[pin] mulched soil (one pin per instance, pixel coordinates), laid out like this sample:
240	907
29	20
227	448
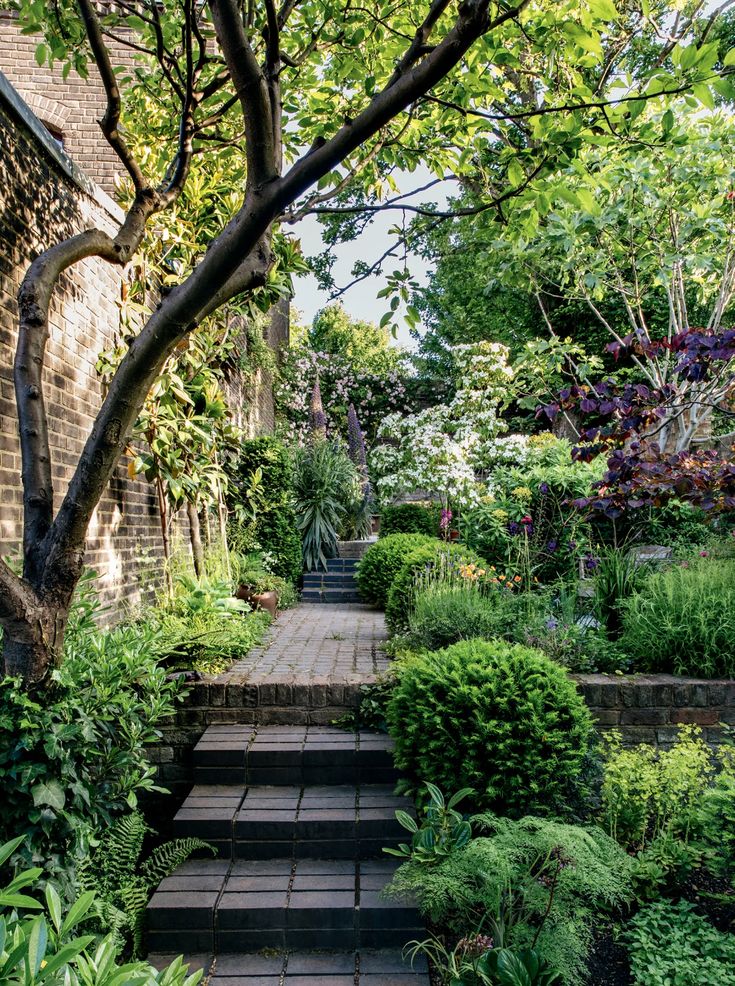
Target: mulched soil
608	965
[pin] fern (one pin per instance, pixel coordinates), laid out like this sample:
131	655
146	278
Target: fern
504	875
167	857
123	883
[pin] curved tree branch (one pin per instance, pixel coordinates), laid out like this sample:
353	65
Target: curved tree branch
110	122
252	90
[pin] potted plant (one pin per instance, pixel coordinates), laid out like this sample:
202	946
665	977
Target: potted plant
255	584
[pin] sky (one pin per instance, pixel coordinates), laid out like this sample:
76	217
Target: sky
361	301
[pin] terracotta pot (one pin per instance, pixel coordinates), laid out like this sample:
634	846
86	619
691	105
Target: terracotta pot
267	601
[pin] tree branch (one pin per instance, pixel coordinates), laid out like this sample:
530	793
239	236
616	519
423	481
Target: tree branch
110	122
252	90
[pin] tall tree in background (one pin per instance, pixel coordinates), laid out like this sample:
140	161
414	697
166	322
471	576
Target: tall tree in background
321	102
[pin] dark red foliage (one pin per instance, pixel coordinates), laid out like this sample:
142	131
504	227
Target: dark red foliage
625	420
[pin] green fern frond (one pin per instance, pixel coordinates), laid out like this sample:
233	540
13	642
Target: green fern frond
134	898
116	860
166	858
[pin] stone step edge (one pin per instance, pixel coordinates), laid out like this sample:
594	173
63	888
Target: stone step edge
379	963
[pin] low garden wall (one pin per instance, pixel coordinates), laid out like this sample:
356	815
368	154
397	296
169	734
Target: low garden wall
644	708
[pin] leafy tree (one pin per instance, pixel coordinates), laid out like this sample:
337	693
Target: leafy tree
653	229
317	101
364	344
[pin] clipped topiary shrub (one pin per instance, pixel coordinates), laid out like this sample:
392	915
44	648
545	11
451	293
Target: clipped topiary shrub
381	563
502	719
409	518
438	557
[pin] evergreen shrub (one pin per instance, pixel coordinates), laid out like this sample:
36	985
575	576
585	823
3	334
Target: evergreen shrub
502	719
381	563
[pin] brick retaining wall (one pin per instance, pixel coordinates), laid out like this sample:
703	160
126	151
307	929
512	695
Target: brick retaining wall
644	708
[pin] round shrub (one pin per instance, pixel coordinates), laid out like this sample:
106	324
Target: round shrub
502	719
409	518
382	561
438	555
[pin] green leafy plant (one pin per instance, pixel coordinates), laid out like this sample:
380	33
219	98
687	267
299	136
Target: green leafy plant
476	961
370	711
208	641
37	947
442	829
446	613
326	485
430	562
499	718
616	578
671	945
74	758
203	596
673	808
123	882
683	620
261	491
528	884
382	561
410	518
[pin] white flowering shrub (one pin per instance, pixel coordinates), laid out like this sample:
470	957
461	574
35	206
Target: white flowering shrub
444	448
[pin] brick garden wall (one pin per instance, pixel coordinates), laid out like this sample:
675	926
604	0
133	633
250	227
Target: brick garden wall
70	107
43	198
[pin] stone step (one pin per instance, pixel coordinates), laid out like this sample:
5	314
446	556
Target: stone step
330	596
342	564
368	967
294	756
334	822
344	580
247	906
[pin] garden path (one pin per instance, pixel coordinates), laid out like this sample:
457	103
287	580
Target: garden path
298	815
342	642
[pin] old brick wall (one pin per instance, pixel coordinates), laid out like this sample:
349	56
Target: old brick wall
69	107
44	198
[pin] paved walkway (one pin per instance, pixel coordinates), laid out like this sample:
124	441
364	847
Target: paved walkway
297	817
339	642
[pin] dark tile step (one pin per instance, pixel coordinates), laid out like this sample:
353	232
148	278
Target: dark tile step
306	905
330	596
292	756
369	967
261	822
340	579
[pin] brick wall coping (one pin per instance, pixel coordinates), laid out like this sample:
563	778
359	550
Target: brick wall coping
18	106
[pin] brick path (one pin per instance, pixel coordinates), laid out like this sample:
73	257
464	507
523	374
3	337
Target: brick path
339	643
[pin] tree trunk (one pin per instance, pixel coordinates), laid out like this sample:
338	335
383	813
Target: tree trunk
195	534
163	511
32	645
